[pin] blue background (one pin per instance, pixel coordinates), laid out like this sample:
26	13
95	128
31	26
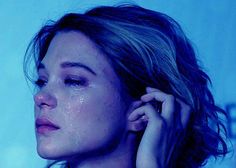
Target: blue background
209	24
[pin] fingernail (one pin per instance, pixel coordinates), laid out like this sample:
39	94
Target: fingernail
143	96
136	103
149	89
144	118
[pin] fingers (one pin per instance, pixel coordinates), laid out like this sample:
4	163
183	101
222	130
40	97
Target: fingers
145	112
167	101
138	125
146	118
164	126
185	112
138	121
173	110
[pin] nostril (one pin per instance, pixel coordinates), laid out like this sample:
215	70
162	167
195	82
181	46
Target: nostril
43	104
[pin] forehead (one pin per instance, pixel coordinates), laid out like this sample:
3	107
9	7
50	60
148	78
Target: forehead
76	47
72	46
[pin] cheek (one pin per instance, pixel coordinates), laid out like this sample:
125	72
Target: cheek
73	113
94	104
93	117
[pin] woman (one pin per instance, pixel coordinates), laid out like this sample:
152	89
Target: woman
121	87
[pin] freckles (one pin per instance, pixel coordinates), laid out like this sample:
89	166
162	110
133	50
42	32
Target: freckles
73	116
75	104
71	108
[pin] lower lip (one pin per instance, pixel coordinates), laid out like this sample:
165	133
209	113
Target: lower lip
46	129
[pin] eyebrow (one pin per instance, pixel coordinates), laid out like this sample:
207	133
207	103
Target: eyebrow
70	65
77	65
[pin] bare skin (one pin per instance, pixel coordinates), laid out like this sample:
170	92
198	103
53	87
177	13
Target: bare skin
161	133
93	113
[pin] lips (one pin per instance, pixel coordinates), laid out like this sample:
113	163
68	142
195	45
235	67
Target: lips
43	125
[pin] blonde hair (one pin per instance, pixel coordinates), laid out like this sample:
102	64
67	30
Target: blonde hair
148	48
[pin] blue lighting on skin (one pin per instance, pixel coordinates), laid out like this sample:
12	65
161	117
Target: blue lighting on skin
209	25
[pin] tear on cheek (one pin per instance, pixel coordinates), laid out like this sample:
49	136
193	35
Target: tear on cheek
81	100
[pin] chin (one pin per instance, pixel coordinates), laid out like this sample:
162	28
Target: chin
47	152
52	152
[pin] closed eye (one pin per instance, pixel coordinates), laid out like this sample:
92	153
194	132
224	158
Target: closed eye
74	82
40	83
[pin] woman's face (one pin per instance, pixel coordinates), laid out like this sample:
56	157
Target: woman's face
81	95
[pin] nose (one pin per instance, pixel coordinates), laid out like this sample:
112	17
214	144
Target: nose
45	100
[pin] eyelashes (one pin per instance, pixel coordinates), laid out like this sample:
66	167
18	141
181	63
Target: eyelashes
68	81
74	82
40	83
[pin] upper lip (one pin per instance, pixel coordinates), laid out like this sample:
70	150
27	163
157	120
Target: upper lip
45	122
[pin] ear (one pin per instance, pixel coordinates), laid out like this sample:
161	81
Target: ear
140	122
137	125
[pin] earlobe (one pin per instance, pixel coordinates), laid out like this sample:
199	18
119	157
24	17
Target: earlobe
137	125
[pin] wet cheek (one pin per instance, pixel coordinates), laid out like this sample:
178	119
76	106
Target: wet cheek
83	120
73	109
85	113
90	120
72	118
88	108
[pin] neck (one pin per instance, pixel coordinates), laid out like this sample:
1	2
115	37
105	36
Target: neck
124	155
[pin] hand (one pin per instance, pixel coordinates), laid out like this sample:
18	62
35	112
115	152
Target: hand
162	130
